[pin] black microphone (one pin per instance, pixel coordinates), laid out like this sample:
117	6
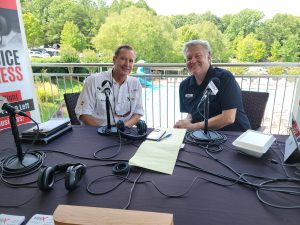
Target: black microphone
4	105
19	163
211	88
106	87
206	135
109	129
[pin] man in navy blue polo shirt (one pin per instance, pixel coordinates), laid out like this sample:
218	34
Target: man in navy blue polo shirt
226	109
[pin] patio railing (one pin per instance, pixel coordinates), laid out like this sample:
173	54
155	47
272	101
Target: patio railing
161	89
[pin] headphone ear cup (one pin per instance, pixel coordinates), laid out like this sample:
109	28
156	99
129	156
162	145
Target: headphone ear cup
73	175
46	178
121	125
142	127
121	168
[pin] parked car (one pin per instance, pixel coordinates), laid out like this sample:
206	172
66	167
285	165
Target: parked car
52	51
38	54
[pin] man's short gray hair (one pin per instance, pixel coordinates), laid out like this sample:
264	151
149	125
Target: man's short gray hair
191	43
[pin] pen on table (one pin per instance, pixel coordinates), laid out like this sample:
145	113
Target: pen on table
166	136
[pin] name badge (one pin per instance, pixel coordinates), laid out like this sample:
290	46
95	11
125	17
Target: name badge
188	95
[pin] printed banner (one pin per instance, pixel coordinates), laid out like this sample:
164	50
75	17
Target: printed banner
295	125
16	80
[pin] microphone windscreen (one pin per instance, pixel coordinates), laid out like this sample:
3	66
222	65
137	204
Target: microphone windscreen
3	100
106	83
216	81
106	86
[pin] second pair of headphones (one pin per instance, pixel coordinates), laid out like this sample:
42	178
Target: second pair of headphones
73	174
139	133
121	168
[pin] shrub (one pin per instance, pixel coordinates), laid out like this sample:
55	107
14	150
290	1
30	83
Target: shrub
237	70
276	70
47	91
89	56
294	71
69	54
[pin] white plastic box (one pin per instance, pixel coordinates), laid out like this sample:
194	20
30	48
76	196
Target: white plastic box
254	143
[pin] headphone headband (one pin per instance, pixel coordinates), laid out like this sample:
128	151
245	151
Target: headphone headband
129	133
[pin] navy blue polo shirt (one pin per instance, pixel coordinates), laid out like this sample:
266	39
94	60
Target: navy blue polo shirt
229	96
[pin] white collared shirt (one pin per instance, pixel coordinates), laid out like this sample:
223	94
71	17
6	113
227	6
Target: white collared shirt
122	98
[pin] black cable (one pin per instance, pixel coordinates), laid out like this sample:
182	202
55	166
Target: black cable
80	157
123	179
132	188
26	170
215	143
259	196
111	146
36	135
257	187
5	163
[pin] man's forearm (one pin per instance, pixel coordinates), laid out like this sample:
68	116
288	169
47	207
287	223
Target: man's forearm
227	117
88	120
133	120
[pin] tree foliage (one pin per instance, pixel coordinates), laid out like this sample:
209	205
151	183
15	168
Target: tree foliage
243	23
207	31
193	18
71	36
150	35
33	29
278	29
160	38
69	54
249	49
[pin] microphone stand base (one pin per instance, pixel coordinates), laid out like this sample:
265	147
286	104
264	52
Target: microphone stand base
105	131
29	162
200	135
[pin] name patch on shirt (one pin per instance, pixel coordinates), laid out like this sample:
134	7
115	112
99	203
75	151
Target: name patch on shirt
188	95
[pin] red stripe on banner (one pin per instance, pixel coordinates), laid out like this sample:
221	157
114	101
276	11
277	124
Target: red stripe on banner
8	4
5	123
13	96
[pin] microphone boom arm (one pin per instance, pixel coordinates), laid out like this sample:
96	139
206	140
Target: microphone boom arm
206	114
15	132
107	105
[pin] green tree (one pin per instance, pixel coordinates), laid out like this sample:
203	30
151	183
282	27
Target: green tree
278	29
119	5
226	20
151	36
208	31
98	14
71	36
193	18
243	23
250	49
290	50
61	11
275	51
33	30
39	8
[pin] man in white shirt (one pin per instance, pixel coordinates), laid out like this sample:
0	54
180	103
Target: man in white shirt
125	93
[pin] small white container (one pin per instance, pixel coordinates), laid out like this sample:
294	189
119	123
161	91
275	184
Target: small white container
254	143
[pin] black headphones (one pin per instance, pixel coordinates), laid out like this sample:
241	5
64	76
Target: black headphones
73	175
131	133
121	168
